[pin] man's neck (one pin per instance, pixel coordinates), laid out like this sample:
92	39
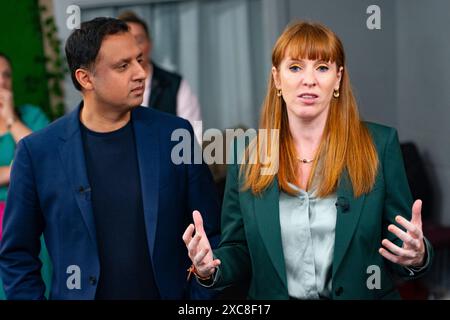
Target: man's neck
99	119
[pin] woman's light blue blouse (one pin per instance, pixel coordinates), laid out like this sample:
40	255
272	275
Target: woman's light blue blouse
307	229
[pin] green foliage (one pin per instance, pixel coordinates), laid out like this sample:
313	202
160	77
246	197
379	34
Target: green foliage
21	39
55	66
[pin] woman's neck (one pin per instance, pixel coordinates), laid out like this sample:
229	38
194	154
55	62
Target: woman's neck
307	135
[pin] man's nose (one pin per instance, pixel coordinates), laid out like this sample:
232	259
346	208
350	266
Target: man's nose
140	72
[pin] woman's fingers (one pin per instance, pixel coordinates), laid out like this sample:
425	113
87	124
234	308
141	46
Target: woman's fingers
198	222
215	263
392	257
193	245
409	254
413	229
416	213
199	258
199	249
187	235
209	268
405	237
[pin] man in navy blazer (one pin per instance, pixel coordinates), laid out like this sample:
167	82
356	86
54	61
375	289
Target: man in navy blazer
101	186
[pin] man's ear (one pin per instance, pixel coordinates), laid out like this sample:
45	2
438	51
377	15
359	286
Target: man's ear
276	77
84	78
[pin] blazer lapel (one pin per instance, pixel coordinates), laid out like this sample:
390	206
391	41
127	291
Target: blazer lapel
147	146
268	219
348	214
72	158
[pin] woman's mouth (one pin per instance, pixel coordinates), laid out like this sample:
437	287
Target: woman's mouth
308	98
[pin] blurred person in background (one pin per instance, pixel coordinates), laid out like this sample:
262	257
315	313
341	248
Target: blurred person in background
164	90
15	124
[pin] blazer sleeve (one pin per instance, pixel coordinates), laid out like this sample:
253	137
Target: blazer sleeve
23	225
398	200
233	251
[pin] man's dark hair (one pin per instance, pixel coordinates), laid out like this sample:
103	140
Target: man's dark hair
83	44
130	17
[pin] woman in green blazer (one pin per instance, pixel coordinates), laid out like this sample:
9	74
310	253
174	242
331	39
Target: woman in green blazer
330	215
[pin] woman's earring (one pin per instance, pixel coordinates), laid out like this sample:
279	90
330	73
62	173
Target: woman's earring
279	93
336	93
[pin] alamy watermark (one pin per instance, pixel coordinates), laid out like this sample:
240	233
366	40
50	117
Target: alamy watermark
374	279
252	147
74	19
74	279
373	22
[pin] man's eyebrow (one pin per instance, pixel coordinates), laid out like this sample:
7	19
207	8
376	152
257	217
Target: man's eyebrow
128	59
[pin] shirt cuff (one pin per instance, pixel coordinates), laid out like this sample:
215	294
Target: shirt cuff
210	282
415	270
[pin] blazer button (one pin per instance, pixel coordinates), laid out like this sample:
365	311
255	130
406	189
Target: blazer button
92	280
339	291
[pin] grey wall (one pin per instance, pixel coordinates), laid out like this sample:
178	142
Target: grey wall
423	67
400	73
370	53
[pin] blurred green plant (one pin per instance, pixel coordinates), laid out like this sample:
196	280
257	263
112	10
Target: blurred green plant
55	66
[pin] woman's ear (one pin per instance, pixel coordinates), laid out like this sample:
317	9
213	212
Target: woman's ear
339	77
276	77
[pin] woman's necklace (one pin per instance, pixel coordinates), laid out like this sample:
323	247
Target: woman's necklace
305	160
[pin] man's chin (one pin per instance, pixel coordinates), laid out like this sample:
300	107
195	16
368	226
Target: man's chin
136	103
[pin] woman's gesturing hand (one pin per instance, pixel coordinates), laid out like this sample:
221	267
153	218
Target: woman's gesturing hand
199	249
412	253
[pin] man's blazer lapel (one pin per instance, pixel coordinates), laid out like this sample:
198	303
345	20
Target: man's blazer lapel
147	145
73	161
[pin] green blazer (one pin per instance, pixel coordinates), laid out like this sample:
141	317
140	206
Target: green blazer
251	247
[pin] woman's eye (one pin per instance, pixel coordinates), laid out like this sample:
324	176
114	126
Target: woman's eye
323	68
295	68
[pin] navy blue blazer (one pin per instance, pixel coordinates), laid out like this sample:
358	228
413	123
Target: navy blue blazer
49	193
